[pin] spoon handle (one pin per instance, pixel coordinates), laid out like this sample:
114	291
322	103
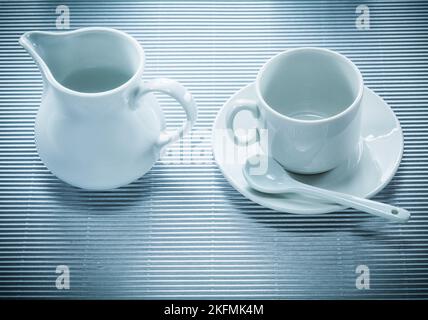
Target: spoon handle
383	210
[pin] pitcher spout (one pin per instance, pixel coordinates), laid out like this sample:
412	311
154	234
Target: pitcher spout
35	43
89	61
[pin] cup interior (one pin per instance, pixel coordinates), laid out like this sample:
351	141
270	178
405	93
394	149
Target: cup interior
309	83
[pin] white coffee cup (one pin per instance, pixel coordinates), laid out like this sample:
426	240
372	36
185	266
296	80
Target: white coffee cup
309	100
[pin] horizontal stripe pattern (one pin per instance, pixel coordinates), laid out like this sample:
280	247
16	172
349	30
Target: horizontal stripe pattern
182	231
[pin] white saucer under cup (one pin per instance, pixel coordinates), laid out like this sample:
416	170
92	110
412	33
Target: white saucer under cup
364	175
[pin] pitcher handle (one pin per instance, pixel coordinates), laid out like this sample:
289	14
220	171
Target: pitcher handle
179	93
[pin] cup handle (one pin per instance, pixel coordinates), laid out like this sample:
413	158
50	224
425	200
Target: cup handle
179	93
238	106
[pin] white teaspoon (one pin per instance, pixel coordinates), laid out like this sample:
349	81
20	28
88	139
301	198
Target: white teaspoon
275	180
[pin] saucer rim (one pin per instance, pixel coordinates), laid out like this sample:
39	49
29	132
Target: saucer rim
307	211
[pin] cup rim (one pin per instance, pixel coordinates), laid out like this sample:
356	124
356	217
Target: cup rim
52	80
348	109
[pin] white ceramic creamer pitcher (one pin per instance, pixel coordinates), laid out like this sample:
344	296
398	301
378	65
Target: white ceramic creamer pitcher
98	126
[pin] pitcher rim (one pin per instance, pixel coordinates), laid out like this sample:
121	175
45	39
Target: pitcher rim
24	41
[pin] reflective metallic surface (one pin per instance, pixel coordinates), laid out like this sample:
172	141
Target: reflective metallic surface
182	231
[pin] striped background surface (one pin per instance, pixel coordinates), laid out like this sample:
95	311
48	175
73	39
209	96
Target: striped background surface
182	231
